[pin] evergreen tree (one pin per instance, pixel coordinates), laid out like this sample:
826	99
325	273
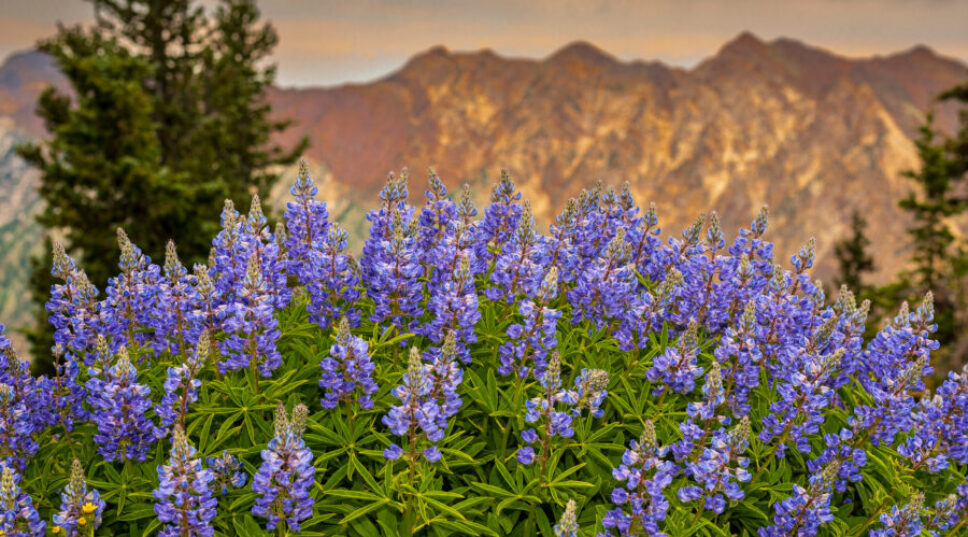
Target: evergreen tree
167	116
936	258
932	237
957	146
853	258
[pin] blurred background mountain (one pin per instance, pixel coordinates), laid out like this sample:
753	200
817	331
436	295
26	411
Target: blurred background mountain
815	135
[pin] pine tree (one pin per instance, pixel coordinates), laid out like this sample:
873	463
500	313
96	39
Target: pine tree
853	259
935	254
167	116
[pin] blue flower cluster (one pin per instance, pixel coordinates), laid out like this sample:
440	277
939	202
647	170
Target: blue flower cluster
182	384
184	500
726	349
390	264
24	406
645	474
120	403
529	341
228	472
419	414
315	250
589	394
348	371
18	516
286	475
80	509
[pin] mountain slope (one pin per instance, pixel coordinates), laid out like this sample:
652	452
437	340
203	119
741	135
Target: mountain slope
810	133
813	134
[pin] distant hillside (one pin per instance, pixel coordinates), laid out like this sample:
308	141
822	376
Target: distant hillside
813	134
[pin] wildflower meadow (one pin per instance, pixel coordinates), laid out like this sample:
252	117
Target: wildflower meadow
469	374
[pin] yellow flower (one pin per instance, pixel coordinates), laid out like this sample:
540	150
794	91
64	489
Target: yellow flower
81	521
89	508
55	530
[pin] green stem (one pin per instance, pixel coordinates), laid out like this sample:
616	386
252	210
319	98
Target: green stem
696	518
871	518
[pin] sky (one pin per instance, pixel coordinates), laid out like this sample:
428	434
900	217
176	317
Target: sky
326	42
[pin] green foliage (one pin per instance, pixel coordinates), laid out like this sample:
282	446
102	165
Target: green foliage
477	488
166	118
939	259
930	233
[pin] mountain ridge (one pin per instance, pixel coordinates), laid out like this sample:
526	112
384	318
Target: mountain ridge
811	133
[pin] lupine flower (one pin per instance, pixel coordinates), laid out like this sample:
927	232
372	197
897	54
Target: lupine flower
530	341
170	315
204	312
896	362
455	309
567	526
80	509
18	517
606	288
181	386
589	392
308	223
418	414
677	368
262	245
66	392
848	460
447	375
591	387
720	469
801	514
132	296
499	224
390	264
740	358
520	267
120	405
555	422
251	326
347	371
701	416
184	500
947	513
804	393
230	255
72	307
24	405
902	521
331	280
228	472
641	500
286	474
436	221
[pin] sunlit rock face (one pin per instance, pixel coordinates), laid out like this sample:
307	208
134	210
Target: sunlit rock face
812	134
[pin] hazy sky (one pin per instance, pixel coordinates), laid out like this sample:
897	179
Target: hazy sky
324	42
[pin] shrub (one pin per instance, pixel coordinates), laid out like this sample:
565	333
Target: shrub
476	377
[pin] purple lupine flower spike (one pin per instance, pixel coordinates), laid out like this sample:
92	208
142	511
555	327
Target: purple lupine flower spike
348	371
18	516
285	477
184	500
81	508
120	405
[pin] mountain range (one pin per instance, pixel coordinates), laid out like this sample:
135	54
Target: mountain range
813	134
